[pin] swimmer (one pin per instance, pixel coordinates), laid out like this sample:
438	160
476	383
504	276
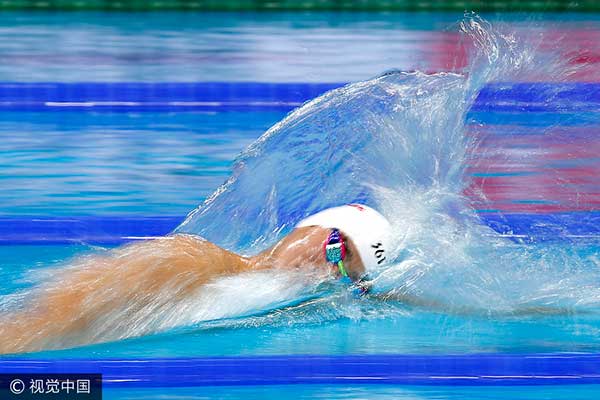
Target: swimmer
342	242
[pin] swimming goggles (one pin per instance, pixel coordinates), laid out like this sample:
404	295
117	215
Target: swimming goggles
335	253
335	250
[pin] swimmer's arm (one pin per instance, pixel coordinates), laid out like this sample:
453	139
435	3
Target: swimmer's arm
133	279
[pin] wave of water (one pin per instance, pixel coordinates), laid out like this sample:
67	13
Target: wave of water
400	132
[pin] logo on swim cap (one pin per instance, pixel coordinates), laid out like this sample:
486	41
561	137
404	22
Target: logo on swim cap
379	252
357	206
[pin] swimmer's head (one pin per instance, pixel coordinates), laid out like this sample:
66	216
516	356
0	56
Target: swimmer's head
368	231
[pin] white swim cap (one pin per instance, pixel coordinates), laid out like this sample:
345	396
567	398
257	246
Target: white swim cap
368	230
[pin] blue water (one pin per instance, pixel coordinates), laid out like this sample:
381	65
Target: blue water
123	164
272	47
99	163
267	47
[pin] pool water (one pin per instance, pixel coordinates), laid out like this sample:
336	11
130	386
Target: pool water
81	163
256	47
532	171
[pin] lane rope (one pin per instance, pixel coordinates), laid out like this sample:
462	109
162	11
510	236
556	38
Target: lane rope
463	370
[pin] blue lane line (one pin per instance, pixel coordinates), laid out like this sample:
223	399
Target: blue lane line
163	96
533	97
464	370
253	96
110	230
106	230
546	227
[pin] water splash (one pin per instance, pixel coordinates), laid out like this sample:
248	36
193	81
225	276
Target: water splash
399	143
400	131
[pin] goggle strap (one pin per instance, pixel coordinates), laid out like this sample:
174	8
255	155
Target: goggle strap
342	269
